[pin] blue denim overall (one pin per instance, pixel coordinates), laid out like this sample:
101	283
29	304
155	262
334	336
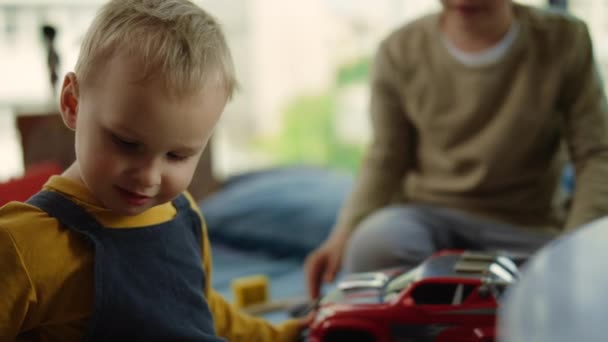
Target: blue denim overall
148	281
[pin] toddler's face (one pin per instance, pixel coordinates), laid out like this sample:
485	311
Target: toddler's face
136	146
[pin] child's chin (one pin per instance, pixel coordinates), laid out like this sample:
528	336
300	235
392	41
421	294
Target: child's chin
129	210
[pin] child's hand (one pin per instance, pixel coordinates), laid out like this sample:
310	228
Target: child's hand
306	321
303	324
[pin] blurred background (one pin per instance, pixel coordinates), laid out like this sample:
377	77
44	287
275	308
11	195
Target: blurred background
303	66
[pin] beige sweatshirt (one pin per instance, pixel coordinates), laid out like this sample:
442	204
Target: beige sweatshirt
487	139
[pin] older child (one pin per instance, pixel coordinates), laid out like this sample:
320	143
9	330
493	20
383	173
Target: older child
114	248
470	108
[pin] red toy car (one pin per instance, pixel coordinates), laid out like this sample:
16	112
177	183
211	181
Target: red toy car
451	297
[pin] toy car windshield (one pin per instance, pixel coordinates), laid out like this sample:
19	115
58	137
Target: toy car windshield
399	283
362	288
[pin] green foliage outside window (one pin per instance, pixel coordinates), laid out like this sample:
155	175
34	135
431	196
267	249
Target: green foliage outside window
354	72
309	134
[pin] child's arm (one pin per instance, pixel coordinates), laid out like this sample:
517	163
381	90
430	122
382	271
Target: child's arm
230	322
234	325
16	290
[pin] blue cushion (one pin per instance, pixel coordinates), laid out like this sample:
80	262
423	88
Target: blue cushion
283	211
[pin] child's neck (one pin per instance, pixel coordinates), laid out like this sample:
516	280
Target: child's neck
476	36
73	173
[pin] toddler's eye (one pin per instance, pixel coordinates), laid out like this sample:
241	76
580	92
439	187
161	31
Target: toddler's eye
176	157
124	143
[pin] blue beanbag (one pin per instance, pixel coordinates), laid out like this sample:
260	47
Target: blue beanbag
286	212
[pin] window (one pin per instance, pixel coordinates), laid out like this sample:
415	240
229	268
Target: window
304	88
462	293
442	293
10	23
434	294
398	284
595	14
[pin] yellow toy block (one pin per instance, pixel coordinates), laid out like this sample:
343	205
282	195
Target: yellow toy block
249	291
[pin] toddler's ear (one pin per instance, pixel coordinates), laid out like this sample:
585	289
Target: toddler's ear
69	100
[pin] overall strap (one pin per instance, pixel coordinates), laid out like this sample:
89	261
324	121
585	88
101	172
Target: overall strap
64	210
181	202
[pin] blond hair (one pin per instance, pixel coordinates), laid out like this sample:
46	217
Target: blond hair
174	39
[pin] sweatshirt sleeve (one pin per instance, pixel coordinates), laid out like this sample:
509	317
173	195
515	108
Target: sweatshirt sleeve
16	290
233	324
388	157
586	129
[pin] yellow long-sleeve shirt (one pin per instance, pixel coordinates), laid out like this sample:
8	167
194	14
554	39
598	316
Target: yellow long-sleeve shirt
487	139
46	274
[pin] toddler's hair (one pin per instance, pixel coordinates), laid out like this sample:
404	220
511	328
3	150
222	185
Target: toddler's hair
174	39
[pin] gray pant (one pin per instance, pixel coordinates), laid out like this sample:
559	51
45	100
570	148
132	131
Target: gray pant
405	235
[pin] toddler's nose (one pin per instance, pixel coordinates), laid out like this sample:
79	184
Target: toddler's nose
148	175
